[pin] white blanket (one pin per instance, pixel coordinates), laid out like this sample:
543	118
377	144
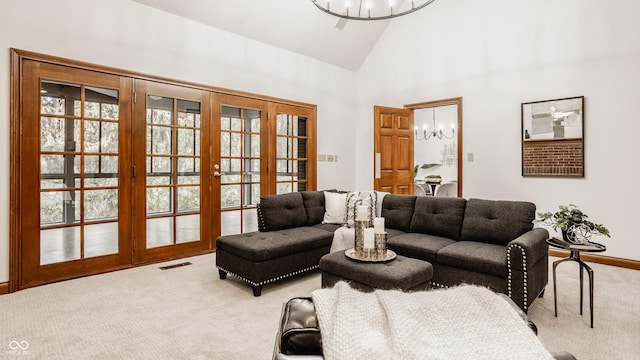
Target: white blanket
465	322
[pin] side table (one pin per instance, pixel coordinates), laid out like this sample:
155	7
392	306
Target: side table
575	250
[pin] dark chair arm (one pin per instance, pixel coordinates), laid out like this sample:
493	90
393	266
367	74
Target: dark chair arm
298	334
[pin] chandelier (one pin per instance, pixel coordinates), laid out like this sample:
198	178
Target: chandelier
370	9
435	132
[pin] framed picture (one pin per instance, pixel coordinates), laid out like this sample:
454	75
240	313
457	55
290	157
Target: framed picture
553	137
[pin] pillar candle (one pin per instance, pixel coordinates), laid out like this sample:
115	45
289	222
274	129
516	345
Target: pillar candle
362	213
378	225
369	238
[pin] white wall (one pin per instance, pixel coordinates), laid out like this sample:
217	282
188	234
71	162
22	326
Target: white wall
128	35
497	54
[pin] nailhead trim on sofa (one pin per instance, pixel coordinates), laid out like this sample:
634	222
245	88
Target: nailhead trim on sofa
262	226
269	280
524	268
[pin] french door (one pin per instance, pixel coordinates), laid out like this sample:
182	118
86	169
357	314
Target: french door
292	129
239	162
75	184
265	148
109	170
172	191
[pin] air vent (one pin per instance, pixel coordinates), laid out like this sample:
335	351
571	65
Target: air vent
174	266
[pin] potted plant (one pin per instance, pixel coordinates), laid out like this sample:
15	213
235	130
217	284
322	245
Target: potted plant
433	179
423	166
573	224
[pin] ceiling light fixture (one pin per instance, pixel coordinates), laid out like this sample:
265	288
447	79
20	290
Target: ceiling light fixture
370	9
435	133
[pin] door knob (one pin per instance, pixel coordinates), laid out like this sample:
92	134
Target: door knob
217	174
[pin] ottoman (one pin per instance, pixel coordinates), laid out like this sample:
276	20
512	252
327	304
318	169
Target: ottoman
401	273
260	258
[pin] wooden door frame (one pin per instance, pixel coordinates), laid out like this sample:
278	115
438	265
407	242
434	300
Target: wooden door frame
445	102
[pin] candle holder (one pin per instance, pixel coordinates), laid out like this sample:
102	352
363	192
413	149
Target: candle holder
358	245
380	245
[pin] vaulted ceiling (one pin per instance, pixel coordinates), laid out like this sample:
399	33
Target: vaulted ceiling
294	25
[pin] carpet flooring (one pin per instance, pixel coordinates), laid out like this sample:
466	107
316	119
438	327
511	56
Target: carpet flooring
189	313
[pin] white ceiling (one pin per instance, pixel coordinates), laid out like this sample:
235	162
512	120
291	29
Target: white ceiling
295	25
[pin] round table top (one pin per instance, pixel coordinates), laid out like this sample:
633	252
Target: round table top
587	247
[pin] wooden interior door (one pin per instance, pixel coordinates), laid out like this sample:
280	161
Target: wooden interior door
73	173
393	150
172	173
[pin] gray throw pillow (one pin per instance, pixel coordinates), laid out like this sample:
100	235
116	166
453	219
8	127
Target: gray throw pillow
283	211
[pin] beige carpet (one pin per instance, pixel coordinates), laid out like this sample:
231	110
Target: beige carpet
189	313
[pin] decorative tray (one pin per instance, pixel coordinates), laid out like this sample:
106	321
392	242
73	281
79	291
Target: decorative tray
351	254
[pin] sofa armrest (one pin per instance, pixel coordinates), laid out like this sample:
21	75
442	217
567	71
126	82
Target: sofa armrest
528	249
527	266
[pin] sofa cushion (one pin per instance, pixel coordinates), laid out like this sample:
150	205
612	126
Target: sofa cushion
475	256
496	221
262	246
393	232
440	216
397	211
313	202
418	246
327	227
283	211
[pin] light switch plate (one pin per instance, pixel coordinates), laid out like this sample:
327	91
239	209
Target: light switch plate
470	157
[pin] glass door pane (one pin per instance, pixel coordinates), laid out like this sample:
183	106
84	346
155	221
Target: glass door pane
79	140
240	164
291	153
173	171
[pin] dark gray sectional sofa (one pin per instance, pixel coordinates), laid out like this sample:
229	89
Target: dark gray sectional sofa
484	242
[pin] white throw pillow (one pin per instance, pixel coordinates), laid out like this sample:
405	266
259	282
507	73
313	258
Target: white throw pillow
376	197
335	208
